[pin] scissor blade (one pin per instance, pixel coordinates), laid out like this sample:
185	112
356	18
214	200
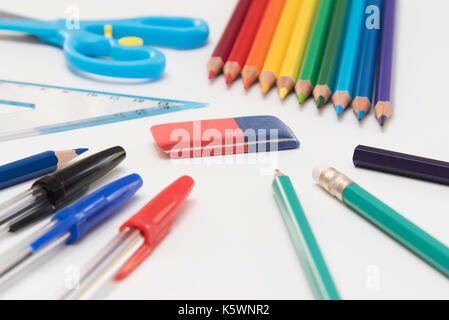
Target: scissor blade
34	27
7	15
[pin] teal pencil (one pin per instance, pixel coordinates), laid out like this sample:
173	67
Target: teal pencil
385	218
303	239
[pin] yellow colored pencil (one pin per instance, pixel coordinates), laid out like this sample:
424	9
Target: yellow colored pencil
297	47
279	45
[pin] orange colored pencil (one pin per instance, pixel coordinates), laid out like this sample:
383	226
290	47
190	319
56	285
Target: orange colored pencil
262	42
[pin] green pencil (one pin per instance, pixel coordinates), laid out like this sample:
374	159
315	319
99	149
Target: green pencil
382	216
302	237
331	57
312	62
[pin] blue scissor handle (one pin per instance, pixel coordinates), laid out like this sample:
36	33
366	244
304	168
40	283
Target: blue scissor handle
99	55
171	32
85	46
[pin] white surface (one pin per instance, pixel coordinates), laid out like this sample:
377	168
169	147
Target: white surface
230	241
317	171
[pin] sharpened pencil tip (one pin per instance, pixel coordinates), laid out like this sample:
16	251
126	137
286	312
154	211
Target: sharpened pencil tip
211	74
320	102
265	87
361	115
301	98
278	173
80	150
383	120
340	110
228	78
283	93
246	83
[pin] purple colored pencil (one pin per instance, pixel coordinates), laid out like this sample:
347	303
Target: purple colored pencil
383	106
401	164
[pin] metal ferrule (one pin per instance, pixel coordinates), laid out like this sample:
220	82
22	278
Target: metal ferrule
334	182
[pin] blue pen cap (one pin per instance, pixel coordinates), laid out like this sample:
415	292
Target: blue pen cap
85	214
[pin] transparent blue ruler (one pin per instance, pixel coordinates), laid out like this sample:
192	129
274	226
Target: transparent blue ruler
28	109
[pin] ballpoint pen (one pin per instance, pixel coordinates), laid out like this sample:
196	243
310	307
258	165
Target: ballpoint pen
301	234
385	218
136	240
53	192
35	166
69	225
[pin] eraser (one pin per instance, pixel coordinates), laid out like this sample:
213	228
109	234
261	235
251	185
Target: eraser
216	137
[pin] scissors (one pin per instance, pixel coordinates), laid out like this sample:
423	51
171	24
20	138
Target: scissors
115	48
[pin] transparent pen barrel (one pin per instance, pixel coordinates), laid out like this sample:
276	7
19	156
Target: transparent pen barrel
106	264
21	205
19	258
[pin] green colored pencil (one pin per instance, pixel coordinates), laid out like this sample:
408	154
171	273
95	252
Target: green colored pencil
331	57
302	237
312	62
385	218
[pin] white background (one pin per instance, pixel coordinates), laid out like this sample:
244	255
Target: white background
230	241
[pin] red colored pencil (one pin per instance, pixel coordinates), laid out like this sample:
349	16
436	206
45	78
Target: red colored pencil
245	39
224	46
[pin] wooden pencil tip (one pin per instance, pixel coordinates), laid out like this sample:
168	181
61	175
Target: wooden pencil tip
80	150
320	102
283	93
246	83
265	86
339	110
278	173
383	120
301	98
211	74
361	115
228	78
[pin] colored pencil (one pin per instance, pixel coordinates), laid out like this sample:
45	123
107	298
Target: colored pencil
297	48
35	166
303	239
350	57
242	45
312	61
385	218
224	46
363	91
383	107
332	53
401	164
279	45
261	45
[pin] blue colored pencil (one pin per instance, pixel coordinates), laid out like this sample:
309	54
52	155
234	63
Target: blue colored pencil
365	79
35	166
350	57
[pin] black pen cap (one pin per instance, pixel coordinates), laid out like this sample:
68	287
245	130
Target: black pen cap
47	209
73	180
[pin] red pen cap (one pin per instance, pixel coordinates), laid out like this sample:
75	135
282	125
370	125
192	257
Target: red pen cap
155	219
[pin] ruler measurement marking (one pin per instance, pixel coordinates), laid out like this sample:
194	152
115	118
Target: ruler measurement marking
44	91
